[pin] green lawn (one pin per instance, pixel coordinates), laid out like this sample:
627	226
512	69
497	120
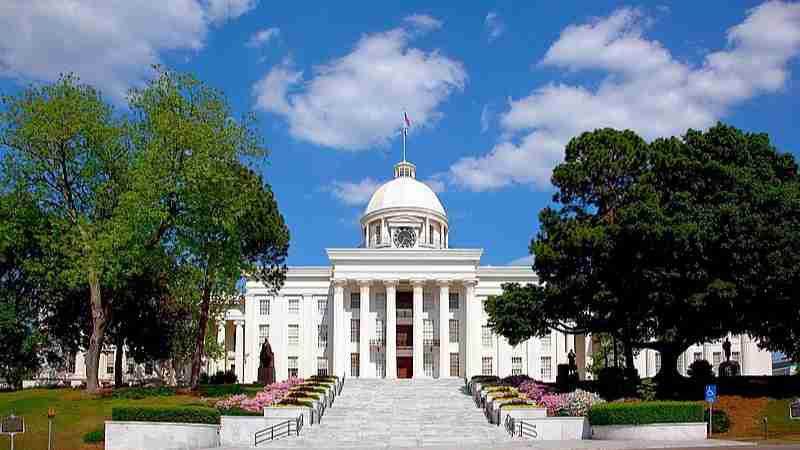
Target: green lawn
76	414
780	425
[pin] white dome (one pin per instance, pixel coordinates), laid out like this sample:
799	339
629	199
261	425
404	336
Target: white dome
404	192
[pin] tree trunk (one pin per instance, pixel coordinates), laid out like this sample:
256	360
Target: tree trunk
668	378
197	359
100	319
118	362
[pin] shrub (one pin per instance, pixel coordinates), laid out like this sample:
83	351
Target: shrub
295	402
236	411
647	390
722	422
203	379
640	413
96	436
700	370
483	378
515	380
140	393
220	390
228	377
572	404
533	390
614	382
177	414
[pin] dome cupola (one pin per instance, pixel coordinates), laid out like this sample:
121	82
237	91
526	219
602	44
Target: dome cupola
404	213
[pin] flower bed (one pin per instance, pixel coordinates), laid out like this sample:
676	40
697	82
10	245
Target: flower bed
272	394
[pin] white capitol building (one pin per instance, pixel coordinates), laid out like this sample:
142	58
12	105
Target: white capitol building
404	304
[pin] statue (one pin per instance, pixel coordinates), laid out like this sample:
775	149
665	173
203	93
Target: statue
571	358
728	368
266	366
726	347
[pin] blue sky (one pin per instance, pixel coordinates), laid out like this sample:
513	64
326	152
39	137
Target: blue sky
495	89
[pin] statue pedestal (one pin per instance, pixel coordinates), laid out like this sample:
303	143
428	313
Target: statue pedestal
266	375
729	369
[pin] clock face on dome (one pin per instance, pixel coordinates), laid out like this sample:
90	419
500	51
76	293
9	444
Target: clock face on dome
405	237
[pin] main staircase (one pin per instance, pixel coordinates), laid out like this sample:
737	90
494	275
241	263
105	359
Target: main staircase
400	413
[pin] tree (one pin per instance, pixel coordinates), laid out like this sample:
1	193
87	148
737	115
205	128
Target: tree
223	221
68	150
664	244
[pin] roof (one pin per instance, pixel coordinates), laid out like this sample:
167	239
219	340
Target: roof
404	192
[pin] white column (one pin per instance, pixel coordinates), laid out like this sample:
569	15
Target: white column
444	328
240	350
417	331
363	321
220	363
308	358
580	355
391	329
339	346
472	330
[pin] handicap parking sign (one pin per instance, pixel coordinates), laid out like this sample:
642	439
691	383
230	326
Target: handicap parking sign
711	393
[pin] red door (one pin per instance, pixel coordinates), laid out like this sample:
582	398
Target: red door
405	366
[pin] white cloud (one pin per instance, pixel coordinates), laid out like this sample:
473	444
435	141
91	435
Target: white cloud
523	261
435	183
354	194
423	22
222	10
111	44
263	36
645	89
494	26
486	117
356	102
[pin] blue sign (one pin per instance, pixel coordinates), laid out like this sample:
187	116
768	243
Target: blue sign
711	393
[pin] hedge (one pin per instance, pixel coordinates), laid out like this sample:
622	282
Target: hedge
722	423
640	413
220	390
138	393
236	411
177	414
98	435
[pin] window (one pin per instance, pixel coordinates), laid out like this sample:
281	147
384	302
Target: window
294	306
129	369
380	301
427	364
697	356
109	363
546	340
322	366
427	301
148	368
430	234
380	331
322	335
71	363
486	336
263	306
380	367
486	365
716	359
294	334
355	330
658	362
427	329
293	372
322	305
454	301
735	356
454	330
455	368
354	365
681	369
516	365
547	369
355	300
263	335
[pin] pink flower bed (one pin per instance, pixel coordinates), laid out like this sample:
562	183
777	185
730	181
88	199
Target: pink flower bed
270	395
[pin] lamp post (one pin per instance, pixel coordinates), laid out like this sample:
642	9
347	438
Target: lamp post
51	414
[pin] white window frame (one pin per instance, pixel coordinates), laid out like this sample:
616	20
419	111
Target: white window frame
293	340
454	331
546	367
294	305
263	333
263	306
486	336
294	367
516	365
486	365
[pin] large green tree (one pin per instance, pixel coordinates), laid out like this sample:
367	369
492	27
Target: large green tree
223	220
662	244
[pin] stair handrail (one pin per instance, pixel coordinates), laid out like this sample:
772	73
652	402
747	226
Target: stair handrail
279	430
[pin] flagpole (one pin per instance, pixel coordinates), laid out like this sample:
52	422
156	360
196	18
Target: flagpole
405	131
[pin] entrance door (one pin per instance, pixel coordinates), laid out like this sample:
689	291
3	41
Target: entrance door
405	366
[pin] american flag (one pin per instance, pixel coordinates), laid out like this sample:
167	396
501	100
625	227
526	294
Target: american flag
406	120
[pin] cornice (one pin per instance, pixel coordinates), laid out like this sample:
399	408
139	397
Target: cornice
398	254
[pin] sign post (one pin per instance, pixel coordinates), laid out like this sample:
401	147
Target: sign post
711	397
12	425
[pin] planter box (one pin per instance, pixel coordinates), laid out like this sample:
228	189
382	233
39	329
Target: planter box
692	431
275	414
558	428
161	435
240	430
523	413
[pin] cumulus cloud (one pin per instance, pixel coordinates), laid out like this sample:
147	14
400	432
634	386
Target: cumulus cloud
263	36
494	26
354	194
436	183
356	101
423	22
523	261
645	89
111	44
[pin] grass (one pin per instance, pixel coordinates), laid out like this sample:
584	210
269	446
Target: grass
77	413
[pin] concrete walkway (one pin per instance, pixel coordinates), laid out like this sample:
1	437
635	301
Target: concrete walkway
436	414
